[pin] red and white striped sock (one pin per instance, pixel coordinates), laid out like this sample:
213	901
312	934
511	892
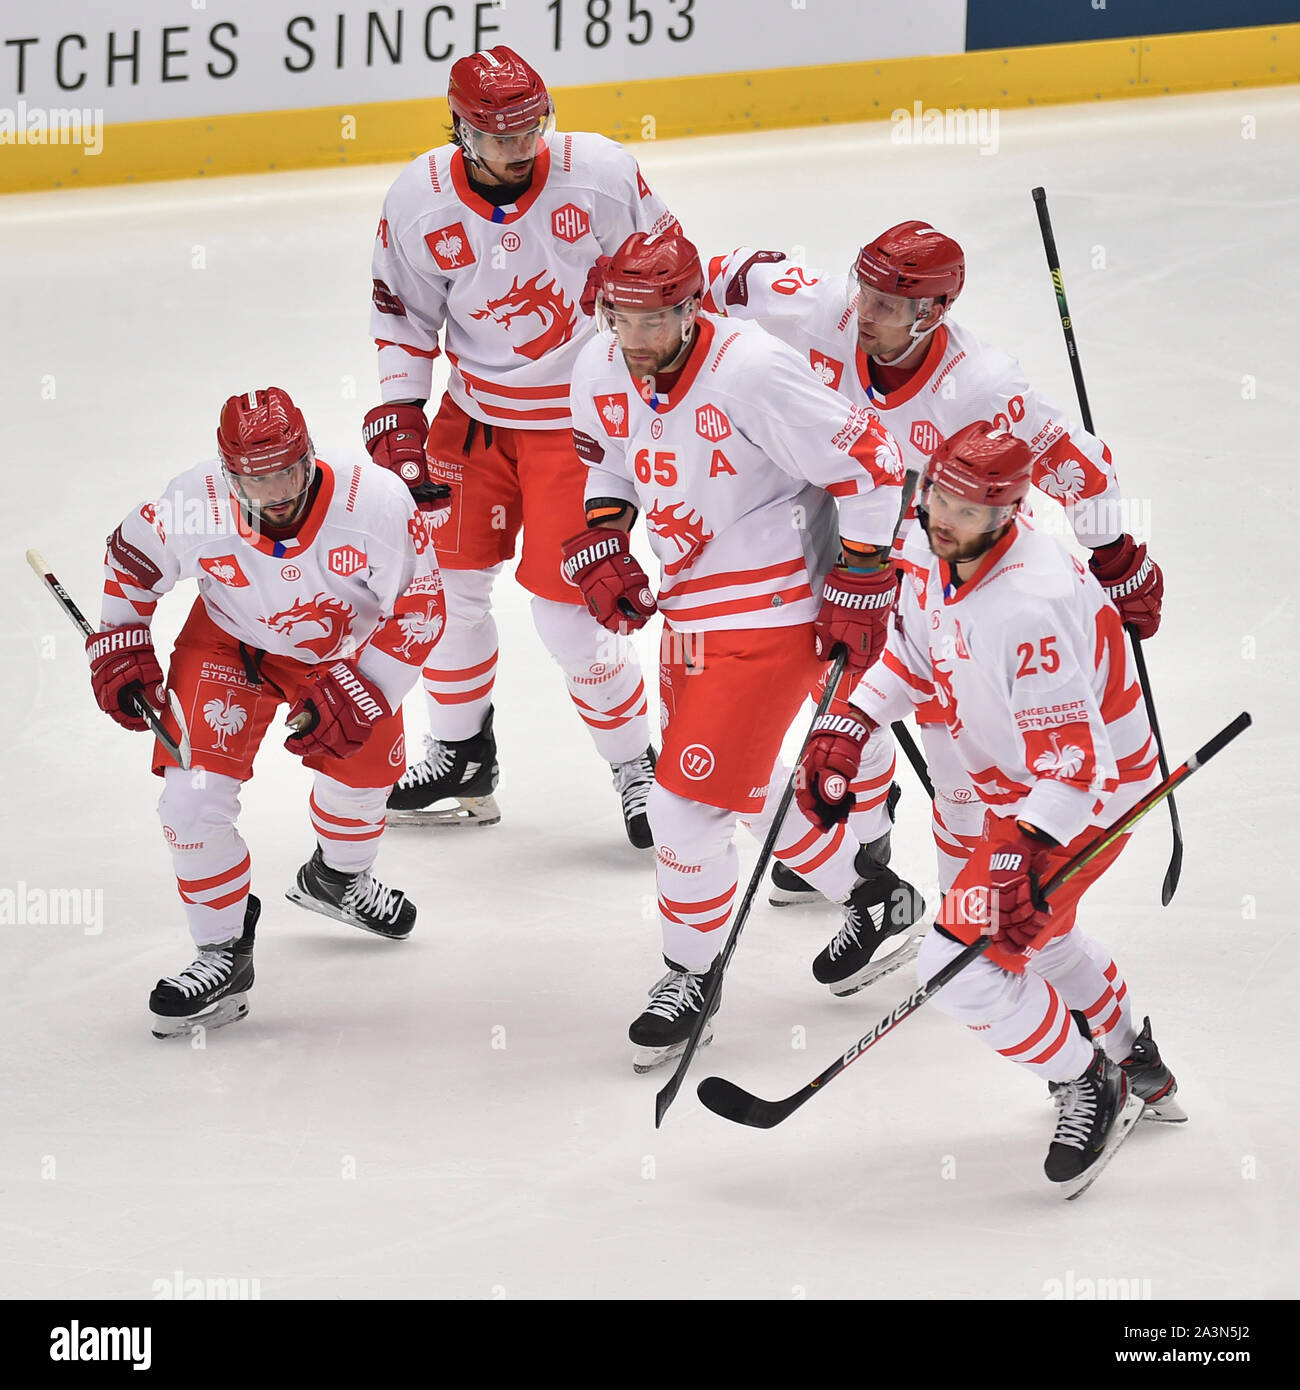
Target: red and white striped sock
696	873
869	819
823	858
209	857
348	822
602	675
1085	976
1022	1017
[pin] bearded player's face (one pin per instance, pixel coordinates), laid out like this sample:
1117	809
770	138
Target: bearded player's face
650	339
959	530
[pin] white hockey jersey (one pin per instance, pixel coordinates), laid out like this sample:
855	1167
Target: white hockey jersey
735	470
960	380
1033	676
504	282
360	575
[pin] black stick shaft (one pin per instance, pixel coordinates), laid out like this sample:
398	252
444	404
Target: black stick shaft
1058	284
667	1095
732	1102
1175	869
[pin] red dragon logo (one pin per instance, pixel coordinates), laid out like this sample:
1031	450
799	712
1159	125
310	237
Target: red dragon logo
558	315
330	613
947	696
687	533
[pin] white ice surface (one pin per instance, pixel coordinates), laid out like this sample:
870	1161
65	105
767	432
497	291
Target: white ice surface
533	1168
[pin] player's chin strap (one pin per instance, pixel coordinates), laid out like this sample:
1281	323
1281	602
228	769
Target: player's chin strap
915	336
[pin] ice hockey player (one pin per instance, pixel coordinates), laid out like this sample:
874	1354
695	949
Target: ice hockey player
883	334
737	456
318	588
1038	692
492	239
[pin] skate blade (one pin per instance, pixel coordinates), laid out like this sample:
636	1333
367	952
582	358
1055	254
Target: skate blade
228	1010
878	968
650	1058
790	897
296	895
1124	1126
1165	1111
472	810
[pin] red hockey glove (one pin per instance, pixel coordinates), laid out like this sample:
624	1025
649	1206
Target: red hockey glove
830	763
1017	861
122	666
394	436
342	708
615	587
855	611
587	303
1132	581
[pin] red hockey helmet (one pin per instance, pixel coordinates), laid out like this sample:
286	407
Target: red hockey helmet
261	432
912	260
982	464
652	271
267	454
497	93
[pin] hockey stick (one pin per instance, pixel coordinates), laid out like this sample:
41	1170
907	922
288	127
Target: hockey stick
180	751
669	1093
730	1101
913	755
1172	874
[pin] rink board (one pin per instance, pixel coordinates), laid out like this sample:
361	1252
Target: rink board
640	111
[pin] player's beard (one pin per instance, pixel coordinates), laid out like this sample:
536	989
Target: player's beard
964	554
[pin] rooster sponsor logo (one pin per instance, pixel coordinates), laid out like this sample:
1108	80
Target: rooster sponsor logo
224	717
827	370
450	247
613	414
225	569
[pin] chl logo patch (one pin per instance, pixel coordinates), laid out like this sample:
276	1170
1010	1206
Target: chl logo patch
613	414
926	437
712	424
570	223
345	560
225	568
450	247
696	762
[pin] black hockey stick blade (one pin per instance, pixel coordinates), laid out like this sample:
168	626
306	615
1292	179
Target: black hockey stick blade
733	1103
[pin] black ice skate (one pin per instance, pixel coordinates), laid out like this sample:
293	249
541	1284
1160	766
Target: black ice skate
359	899
632	781
462	772
213	989
1096	1112
882	908
789	890
1152	1080
661	1033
